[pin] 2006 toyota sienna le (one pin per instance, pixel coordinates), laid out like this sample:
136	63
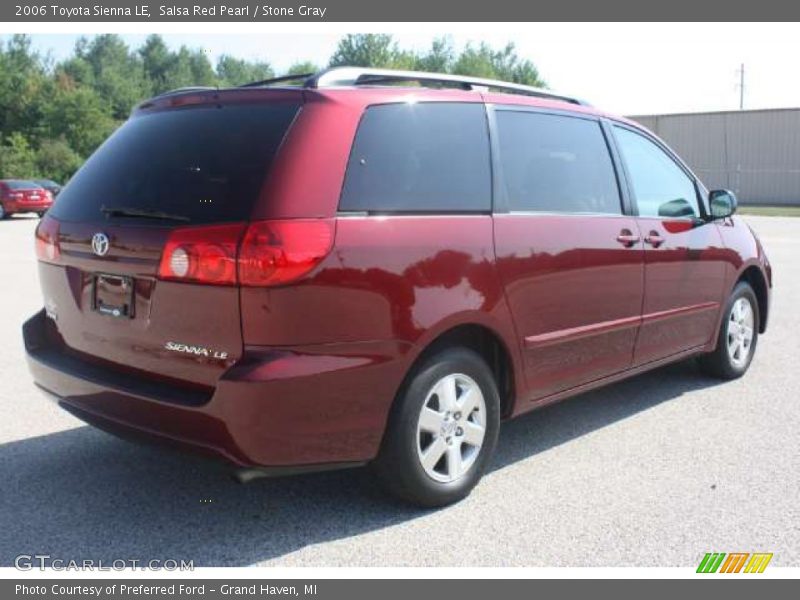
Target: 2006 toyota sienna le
378	267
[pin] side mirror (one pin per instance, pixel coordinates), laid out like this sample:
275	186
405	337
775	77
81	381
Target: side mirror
723	204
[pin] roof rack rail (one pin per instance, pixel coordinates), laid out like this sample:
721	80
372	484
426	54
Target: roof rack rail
188	88
283	78
353	76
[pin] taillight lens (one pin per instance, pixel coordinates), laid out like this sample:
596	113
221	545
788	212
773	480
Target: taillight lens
270	253
278	252
47	245
202	254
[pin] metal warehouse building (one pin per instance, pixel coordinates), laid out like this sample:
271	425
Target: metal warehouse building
755	153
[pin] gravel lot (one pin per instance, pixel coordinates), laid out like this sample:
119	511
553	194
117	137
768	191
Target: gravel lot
654	471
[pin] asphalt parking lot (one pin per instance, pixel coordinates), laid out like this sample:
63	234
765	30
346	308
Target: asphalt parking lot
654	471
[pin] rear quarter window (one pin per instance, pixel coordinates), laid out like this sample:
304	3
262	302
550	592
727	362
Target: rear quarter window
419	158
206	163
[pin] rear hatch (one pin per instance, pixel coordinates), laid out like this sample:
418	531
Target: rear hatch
185	165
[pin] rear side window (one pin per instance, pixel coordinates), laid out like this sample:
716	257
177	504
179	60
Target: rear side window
556	163
205	163
427	157
661	187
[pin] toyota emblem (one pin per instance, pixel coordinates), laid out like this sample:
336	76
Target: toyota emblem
100	244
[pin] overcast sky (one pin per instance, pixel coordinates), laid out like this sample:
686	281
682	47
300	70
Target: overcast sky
623	68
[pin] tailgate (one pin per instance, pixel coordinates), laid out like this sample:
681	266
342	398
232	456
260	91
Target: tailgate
113	308
194	162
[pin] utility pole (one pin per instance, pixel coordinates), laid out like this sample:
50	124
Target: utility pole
741	87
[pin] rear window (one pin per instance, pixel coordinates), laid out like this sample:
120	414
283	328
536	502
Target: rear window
205	163
427	157
22	185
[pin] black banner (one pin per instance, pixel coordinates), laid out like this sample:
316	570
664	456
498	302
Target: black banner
39	11
385	589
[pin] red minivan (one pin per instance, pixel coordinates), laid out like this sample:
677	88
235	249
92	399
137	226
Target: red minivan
377	267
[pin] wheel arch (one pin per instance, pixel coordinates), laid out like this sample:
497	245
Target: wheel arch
485	341
753	275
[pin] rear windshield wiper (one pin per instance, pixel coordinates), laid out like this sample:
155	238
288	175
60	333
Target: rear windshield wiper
142	213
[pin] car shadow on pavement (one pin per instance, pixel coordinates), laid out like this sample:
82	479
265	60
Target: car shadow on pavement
25	217
82	494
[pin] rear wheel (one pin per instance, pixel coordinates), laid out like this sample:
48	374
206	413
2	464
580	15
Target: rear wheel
442	431
3	213
738	335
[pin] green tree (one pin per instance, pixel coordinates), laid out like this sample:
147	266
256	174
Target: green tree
156	62
56	159
81	117
303	67
17	157
117	74
439	59
23	87
483	61
364	50
233	71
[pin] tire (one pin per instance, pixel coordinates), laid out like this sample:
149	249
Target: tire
3	213
40	214
739	329
409	438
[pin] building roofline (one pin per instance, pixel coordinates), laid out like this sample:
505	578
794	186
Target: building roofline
714	112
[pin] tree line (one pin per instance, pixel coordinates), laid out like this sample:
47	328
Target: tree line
54	114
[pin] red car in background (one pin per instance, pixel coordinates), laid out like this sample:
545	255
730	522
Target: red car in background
21	196
350	271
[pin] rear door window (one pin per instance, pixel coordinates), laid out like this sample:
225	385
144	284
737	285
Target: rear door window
419	157
554	163
205	163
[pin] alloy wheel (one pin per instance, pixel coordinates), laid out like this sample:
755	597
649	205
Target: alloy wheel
741	322
451	428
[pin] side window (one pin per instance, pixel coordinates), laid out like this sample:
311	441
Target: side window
555	163
426	157
661	187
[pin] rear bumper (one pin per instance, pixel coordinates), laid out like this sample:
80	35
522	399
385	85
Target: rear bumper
275	408
14	206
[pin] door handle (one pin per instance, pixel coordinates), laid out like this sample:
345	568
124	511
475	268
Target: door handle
626	238
654	239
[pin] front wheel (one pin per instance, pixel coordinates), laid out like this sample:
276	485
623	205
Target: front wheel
738	335
442	431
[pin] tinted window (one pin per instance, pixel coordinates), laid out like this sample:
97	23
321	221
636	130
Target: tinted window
556	164
661	187
206	163
419	158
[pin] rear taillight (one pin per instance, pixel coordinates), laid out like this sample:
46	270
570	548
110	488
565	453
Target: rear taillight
202	254
278	252
47	246
263	253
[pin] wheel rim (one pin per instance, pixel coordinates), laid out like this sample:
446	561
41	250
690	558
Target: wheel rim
741	321
451	428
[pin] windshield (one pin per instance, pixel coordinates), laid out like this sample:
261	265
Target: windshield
203	163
